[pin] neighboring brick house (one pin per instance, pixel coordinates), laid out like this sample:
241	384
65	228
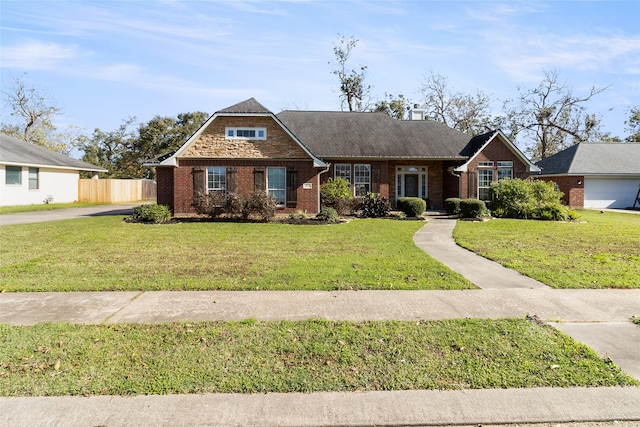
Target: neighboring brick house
596	175
247	148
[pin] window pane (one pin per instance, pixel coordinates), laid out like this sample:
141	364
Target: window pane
33	178
505	173
13	175
277	184
343	171
362	179
216	178
485	177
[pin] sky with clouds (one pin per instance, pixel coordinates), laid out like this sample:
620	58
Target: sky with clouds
104	61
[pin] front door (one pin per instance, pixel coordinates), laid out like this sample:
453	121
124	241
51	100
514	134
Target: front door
411	185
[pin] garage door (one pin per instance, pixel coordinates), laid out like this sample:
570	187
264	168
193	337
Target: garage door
610	192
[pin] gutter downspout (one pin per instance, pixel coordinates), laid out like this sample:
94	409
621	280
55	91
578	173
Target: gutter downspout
451	170
320	173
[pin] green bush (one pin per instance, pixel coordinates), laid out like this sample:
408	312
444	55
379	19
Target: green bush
374	206
452	205
527	199
327	214
336	193
473	208
156	214
412	206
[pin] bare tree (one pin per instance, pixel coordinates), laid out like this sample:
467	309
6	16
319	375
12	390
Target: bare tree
353	91
467	112
551	118
33	114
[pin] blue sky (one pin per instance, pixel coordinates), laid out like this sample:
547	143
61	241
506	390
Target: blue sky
103	61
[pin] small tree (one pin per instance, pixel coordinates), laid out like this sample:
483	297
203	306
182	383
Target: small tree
336	194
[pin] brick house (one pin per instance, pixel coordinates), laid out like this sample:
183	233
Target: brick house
596	175
246	148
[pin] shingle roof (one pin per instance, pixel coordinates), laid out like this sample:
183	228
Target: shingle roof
336	134
16	152
594	159
250	106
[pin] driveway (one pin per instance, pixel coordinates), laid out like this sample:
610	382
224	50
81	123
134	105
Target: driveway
71	213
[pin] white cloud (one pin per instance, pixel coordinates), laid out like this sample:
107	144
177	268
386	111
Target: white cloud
37	55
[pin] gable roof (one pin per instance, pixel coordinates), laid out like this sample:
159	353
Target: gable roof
249	107
478	144
594	159
337	134
16	152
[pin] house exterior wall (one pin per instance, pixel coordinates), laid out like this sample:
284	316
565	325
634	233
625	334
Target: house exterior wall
60	184
571	186
307	195
495	151
213	144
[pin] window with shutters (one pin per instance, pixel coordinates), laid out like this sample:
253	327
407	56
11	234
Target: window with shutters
216	178
277	184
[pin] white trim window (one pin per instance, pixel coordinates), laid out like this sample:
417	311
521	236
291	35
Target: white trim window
216	178
277	184
13	175
34	178
342	170
362	180
246	133
505	170
485	178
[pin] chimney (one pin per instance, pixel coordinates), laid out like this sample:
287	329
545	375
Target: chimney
417	113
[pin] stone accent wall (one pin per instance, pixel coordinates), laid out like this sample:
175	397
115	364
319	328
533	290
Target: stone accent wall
213	144
572	187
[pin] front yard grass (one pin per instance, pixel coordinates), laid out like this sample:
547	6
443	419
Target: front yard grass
601	250
106	253
306	356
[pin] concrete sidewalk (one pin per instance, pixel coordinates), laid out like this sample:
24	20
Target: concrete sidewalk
599	318
70	213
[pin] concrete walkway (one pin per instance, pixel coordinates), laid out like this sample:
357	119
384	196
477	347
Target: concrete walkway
70	213
599	318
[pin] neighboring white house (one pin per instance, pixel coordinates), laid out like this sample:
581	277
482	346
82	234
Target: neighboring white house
30	174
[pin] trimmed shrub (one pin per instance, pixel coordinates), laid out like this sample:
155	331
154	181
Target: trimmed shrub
374	206
473	208
211	204
535	199
412	206
336	193
156	214
452	205
263	205
327	214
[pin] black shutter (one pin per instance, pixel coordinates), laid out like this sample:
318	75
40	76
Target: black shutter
292	188
375	179
232	180
258	180
199	182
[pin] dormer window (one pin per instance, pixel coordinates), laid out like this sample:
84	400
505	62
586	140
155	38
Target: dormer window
246	133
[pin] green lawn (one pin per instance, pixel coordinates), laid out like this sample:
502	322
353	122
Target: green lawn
307	356
106	253
45	207
597	251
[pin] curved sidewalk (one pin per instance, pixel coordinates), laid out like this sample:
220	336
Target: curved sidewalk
599	318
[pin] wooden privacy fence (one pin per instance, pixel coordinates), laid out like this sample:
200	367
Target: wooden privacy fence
116	190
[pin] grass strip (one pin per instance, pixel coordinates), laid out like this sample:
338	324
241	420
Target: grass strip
106	253
45	207
602	250
305	356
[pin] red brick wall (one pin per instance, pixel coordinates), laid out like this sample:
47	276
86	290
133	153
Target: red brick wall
572	187
164	180
306	173
496	151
